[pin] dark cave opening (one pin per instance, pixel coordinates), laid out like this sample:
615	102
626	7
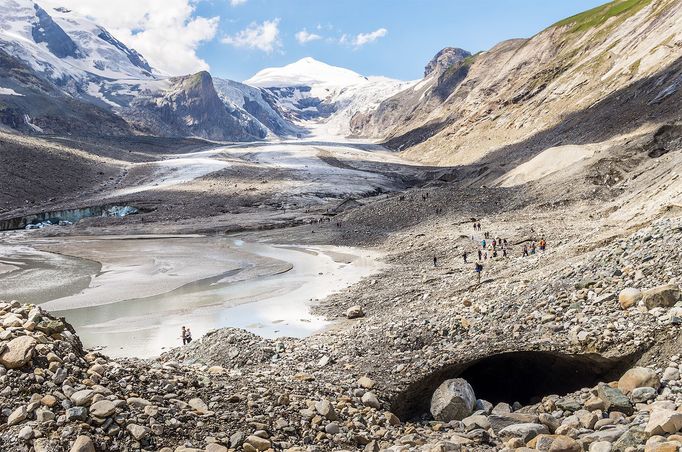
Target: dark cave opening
524	377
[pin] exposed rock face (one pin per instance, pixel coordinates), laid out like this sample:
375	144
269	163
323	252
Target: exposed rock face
444	59
527	95
453	400
191	107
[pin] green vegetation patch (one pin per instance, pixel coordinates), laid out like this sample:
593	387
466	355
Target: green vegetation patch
597	16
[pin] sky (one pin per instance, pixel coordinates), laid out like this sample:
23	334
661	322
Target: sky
396	38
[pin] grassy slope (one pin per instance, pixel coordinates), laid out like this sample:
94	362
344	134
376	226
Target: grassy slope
599	15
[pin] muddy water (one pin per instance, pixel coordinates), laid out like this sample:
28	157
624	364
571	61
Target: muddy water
132	295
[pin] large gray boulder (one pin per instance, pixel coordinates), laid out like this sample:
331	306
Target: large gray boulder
661	296
453	400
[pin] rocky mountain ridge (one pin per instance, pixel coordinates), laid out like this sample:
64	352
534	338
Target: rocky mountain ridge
522	96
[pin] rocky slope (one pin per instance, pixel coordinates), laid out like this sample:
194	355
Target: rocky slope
588	78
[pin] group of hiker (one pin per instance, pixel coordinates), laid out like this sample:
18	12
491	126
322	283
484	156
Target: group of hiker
186	336
493	248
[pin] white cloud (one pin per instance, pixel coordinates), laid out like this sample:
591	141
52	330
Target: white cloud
365	38
166	32
263	37
237	2
304	36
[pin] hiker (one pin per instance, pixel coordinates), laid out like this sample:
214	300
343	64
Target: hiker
478	269
184	336
188	336
435	261
483	243
464	255
504	252
474	226
543	244
532	248
480	254
525	250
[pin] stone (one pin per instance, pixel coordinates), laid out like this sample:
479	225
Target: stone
137	431
78	413
524	431
370	399
237	439
476	421
326	409
661	297
641	395
632	438
18	352
614	399
629	297
453	400
18	416
594	403
663	421
670	374
499	422
601	446
83	444
82	398
215	447
44	415
257	442
366	382
136	402
355	312
332	428
26	433
609	434
102	409
49	400
198	405
638	377
565	444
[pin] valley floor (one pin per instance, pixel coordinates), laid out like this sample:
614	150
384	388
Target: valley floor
366	382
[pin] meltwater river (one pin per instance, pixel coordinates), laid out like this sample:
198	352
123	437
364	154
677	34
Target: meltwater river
130	295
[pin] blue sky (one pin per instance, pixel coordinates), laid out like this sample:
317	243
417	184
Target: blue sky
373	37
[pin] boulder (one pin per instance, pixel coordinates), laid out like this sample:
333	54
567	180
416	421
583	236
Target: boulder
629	297
258	443
661	296
102	409
601	446
524	431
453	400
83	444
18	416
137	431
18	352
614	399
370	400
664	421
83	397
638	377
326	409
564	443
500	421
355	312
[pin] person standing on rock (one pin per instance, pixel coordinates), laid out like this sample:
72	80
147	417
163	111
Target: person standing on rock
480	255
525	250
464	255
543	244
184	336
188	335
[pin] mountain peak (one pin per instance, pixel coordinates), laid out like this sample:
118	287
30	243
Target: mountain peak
305	72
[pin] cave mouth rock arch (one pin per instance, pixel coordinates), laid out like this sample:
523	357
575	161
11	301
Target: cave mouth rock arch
525	377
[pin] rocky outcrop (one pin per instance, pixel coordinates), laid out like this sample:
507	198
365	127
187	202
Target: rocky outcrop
444	59
191	107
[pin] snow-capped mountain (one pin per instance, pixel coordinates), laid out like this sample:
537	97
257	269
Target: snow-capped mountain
323	97
64	45
77	66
